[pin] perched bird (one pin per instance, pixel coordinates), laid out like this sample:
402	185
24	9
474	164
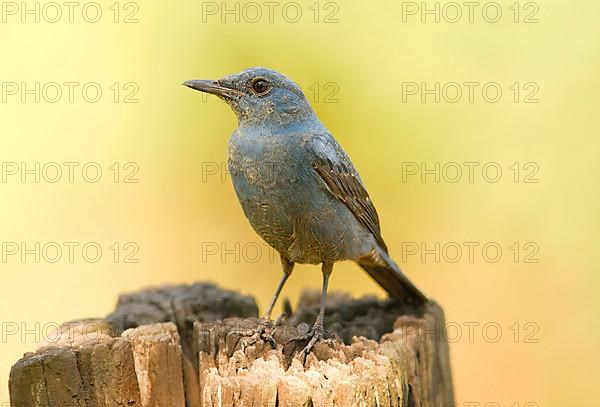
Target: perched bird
299	189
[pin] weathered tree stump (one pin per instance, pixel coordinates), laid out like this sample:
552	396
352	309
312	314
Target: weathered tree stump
183	346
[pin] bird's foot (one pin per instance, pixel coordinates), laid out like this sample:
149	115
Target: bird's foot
262	331
316	334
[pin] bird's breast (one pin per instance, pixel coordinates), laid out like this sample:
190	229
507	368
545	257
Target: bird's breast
287	203
264	177
268	164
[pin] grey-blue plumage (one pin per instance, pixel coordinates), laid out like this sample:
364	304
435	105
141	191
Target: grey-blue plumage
287	202
297	186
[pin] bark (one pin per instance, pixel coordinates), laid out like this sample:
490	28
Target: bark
189	346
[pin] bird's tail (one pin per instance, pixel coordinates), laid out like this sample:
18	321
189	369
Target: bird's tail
388	275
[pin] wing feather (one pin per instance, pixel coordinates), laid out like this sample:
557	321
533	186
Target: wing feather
335	168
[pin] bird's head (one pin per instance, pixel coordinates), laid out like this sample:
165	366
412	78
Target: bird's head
259	96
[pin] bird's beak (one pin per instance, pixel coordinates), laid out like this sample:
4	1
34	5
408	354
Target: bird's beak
212	87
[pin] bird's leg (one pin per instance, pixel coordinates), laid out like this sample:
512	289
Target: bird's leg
265	321
287	267
317	331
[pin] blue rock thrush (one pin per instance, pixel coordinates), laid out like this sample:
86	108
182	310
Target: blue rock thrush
299	189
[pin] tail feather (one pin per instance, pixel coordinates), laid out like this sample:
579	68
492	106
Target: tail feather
388	275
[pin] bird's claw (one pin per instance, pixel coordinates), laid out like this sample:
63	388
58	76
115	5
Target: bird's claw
316	334
262	331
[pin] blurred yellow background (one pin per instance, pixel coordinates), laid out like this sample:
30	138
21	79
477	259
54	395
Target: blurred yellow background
365	67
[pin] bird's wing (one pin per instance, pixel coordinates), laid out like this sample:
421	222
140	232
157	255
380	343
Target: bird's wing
333	165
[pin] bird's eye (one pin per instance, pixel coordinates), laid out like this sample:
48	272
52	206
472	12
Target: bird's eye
260	86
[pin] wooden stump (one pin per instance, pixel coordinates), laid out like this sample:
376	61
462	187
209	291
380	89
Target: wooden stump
183	346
